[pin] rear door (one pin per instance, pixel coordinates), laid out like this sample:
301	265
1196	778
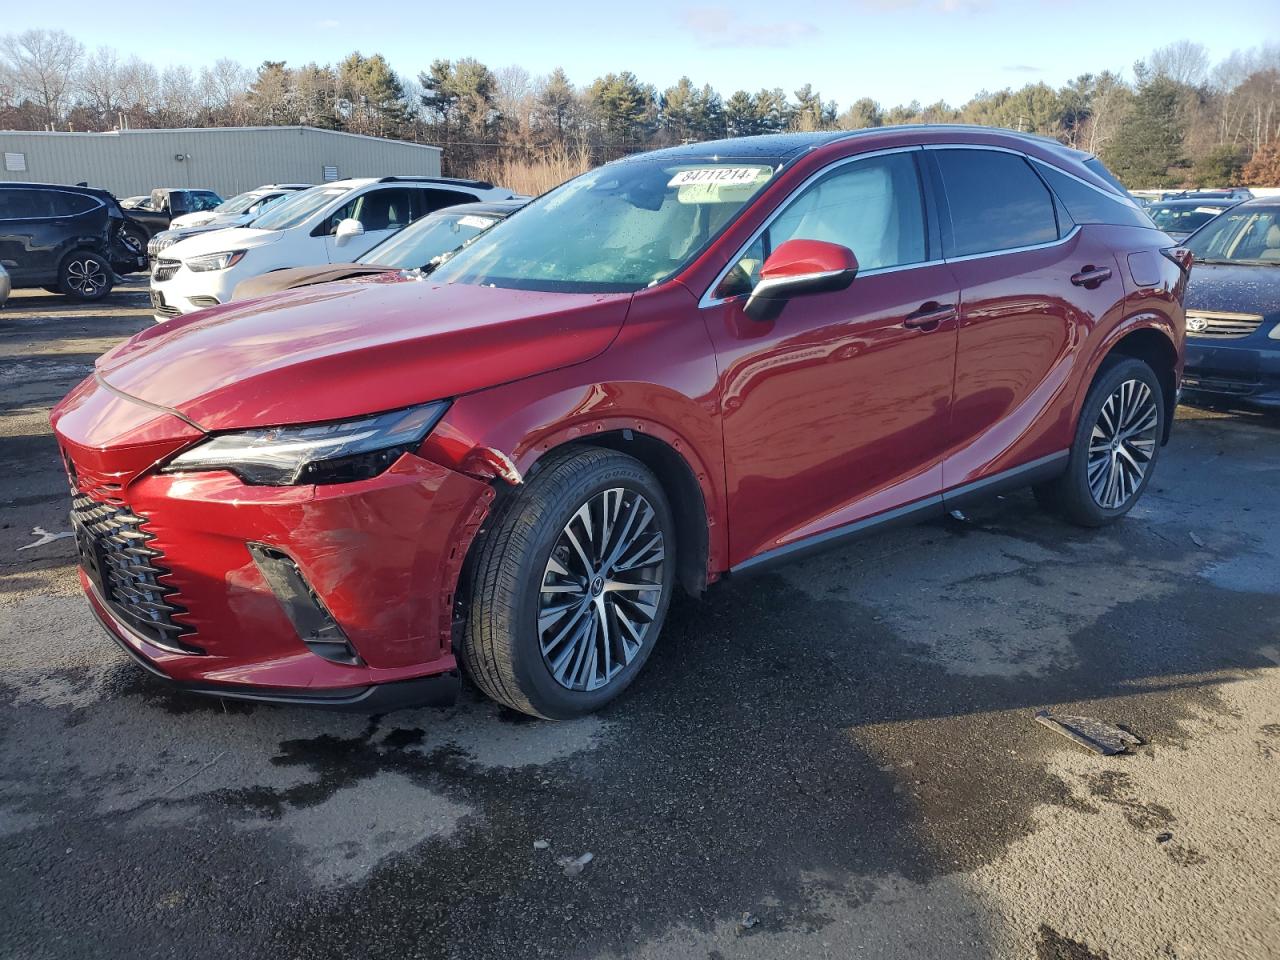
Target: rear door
30	237
1033	287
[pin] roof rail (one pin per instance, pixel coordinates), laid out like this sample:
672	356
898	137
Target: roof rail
460	181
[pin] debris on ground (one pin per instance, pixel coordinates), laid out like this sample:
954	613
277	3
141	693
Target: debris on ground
1196	540
43	536
541	844
1103	738
748	920
1164	837
572	866
958	515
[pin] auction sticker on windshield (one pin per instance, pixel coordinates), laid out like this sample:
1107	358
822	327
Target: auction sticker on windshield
718	184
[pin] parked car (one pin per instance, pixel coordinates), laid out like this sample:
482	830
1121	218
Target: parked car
335	223
6	286
69	240
1235	193
135	203
250	203
166	203
239	211
1181	218
1233	310
681	364
420	247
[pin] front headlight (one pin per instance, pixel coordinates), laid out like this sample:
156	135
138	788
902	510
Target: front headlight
215	261
337	452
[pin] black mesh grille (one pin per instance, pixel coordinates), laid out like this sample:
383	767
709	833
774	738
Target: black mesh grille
116	554
164	270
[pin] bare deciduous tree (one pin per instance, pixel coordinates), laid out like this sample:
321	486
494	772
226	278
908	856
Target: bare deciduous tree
42	66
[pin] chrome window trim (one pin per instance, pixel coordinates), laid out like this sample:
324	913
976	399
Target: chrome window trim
1023	249
1115	197
708	300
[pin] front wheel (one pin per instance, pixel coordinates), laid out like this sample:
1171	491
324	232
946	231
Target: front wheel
85	276
1116	445
570	585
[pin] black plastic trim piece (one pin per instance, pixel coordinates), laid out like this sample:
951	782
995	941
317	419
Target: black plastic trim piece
1037	471
438	690
313	622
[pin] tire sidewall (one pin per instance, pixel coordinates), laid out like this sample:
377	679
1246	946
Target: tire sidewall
1078	469
63	275
546	695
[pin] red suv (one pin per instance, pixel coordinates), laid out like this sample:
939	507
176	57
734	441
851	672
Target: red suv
679	365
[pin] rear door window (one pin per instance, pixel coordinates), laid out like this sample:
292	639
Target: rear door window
27	204
996	201
72	204
429	201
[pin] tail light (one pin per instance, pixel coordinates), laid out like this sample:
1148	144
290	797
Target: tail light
1181	256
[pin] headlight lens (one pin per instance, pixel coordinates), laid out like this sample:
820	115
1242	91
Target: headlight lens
337	452
215	261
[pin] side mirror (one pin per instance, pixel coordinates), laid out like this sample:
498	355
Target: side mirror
346	230
798	267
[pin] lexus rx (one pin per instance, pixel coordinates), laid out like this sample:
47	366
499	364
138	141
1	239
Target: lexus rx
676	366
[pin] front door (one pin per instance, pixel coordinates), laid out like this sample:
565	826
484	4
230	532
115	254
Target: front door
381	211
836	410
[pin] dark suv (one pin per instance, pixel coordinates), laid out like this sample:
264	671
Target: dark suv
70	240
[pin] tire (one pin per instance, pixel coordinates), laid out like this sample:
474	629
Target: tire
1130	395
136	239
86	276
566	651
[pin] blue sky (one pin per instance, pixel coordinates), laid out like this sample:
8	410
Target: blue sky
891	50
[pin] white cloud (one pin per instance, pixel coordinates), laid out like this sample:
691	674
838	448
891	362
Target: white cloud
718	26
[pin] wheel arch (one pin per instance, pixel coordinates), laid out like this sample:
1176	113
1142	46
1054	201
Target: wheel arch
1151	339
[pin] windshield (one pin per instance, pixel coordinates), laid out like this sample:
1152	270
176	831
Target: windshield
1182	219
240	203
432	237
622	227
1242	235
297	208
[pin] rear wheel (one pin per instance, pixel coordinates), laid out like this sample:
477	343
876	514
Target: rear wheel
134	239
1116	445
85	276
570	585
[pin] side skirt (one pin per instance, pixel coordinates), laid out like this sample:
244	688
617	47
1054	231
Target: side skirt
1029	474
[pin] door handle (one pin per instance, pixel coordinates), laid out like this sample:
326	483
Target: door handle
929	315
1090	276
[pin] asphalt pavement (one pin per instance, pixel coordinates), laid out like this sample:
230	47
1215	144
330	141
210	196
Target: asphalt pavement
836	758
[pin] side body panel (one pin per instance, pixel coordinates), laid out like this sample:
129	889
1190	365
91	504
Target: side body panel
833	411
1024	331
657	379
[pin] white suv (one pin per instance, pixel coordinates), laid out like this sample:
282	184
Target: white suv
236	212
332	223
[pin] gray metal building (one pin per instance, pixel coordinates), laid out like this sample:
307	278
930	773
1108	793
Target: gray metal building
226	159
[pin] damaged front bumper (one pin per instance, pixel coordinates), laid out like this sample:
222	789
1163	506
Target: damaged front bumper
336	596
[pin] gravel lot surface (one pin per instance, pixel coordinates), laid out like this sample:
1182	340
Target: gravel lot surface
833	759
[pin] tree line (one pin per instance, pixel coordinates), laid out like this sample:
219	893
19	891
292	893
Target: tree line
1180	121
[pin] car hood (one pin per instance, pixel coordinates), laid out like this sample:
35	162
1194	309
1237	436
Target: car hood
1234	288
278	280
193	219
343	350
215	241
